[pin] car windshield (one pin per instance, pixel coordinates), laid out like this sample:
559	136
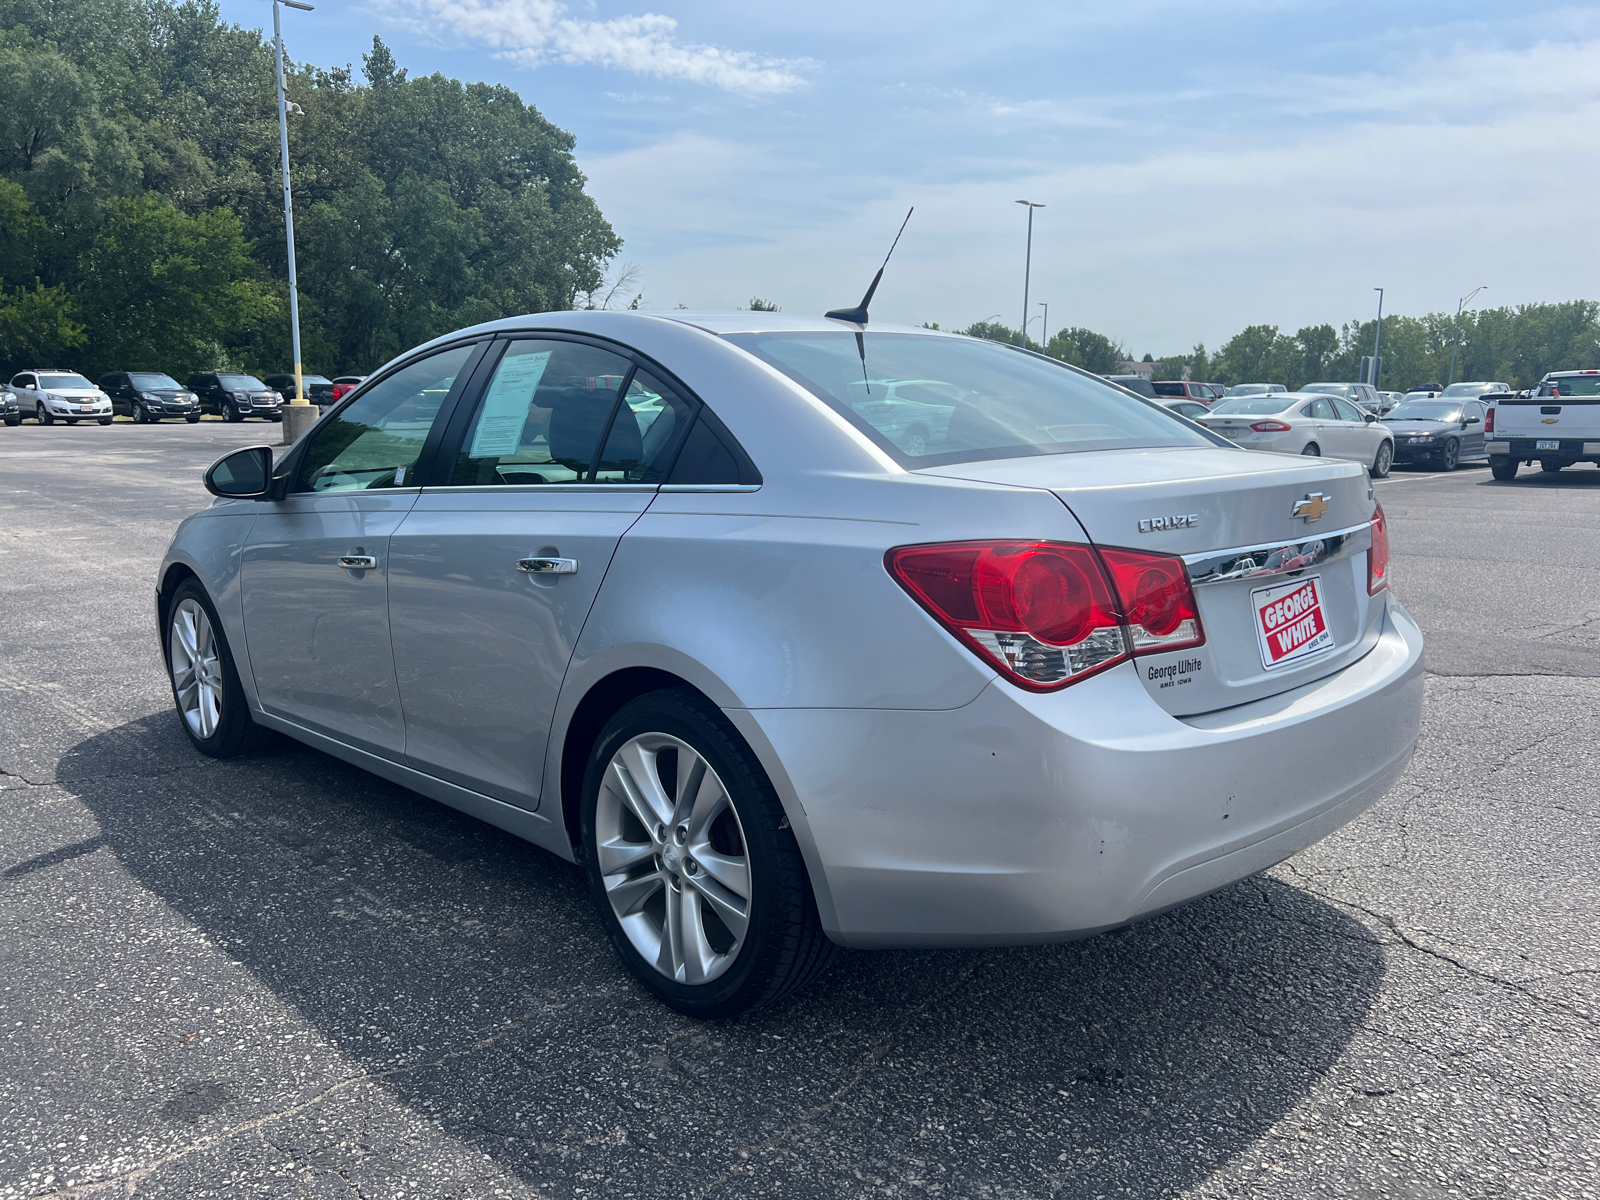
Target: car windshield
929	400
242	382
1583	385
1252	406
152	380
65	382
1424	410
1466	390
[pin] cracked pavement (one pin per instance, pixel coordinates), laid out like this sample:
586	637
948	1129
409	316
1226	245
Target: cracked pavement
277	976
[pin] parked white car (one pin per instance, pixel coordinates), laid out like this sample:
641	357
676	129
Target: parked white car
1362	395
46	395
1305	423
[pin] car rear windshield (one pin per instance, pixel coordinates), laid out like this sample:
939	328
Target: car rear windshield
1582	385
929	400
66	382
1346	390
1465	390
1422	410
142	379
1253	406
1169	389
242	382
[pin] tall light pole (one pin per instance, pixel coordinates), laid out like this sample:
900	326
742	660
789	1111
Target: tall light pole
1377	341
1044	325
1027	269
297	420
1457	347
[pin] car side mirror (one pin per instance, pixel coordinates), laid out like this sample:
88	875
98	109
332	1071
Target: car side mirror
243	475
1473	421
1369	418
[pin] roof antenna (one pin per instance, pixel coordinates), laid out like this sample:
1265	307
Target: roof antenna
858	315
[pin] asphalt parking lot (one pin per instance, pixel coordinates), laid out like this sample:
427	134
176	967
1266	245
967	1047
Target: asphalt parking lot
278	976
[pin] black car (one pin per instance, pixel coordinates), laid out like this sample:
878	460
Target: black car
319	388
235	396
1437	432
10	408
149	396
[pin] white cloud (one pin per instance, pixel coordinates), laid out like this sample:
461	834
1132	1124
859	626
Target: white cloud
534	32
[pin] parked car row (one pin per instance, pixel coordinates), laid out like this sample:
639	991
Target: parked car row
50	394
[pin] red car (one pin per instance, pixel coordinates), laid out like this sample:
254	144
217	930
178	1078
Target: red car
1183	389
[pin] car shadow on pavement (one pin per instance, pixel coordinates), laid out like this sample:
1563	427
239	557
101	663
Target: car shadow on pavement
463	973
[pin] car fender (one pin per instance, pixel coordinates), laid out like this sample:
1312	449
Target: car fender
211	545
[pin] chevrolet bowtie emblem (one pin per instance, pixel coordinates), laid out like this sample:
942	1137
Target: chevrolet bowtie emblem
1311	508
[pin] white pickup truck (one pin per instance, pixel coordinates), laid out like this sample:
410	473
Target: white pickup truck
1555	424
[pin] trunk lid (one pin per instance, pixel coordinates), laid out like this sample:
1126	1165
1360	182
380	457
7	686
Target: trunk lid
1230	515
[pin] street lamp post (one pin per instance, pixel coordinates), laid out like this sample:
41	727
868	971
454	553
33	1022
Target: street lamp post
298	416
1377	342
1027	268
1455	349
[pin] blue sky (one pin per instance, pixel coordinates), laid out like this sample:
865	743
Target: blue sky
1204	165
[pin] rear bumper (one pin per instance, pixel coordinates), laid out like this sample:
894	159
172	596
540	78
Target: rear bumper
1031	818
1527	448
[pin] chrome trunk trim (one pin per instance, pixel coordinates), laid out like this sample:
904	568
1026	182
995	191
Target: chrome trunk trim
1277	558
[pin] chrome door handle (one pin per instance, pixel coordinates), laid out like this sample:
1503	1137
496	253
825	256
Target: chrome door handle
548	566
357	562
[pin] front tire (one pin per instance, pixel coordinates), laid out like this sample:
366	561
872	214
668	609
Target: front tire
193	420
691	861
106	420
1450	456
1503	468
43	416
205	684
1384	461
230	414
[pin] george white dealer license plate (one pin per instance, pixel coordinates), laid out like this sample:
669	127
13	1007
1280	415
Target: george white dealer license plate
1291	622
1547	444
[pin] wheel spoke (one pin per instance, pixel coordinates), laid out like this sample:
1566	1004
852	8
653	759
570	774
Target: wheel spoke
692	774
732	873
628	896
636	770
709	799
616	856
670	960
698	956
733	910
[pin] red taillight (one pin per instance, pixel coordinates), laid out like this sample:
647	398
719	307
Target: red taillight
1270	427
339	389
1047	614
1378	556
1156	600
1488	420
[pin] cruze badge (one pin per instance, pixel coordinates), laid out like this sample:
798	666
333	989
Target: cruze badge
1181	521
1311	508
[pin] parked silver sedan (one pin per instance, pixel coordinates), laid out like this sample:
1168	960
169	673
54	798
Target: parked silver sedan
658	593
1305	423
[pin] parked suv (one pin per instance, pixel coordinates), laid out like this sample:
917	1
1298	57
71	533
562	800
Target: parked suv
319	388
149	396
48	394
1186	389
235	397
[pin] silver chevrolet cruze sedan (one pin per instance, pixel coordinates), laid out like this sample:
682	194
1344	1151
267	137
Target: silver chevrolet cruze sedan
688	600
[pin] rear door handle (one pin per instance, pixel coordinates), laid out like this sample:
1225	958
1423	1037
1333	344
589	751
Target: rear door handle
357	562
548	566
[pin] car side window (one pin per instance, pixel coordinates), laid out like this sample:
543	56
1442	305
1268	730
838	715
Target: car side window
23	381
650	422
1475	410
1322	409
375	441
1348	411
541	417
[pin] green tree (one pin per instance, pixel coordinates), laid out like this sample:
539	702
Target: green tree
759	305
1087	349
170	289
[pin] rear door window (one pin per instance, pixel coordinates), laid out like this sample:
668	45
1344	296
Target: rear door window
649	424
541	417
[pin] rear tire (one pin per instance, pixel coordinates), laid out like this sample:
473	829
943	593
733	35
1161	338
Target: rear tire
643	849
1503	468
1550	466
1312	450
205	684
1384	461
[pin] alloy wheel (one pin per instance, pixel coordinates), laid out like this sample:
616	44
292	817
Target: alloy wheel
196	667
672	856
